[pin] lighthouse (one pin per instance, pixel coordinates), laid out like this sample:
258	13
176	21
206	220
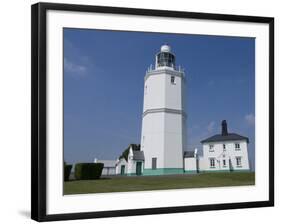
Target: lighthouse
163	137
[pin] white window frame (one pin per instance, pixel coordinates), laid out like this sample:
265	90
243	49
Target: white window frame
212	165
211	148
238	161
237	148
173	79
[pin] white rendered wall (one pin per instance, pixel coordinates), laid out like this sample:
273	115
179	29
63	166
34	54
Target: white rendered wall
160	93
152	142
173	93
154	92
173	141
190	164
163	132
120	163
108	171
202	164
230	153
132	166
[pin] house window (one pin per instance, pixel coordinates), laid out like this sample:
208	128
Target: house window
173	81
238	161
237	146
154	163
223	146
224	162
145	89
211	148
212	163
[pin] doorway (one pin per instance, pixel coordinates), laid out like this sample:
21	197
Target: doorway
122	169
154	163
138	168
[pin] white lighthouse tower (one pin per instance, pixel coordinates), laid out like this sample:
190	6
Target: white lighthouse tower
164	119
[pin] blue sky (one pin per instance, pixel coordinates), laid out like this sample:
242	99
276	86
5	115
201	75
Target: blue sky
103	88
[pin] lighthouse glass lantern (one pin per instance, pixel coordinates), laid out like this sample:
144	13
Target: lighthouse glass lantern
165	58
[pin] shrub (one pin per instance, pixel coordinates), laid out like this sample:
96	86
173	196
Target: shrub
88	171
67	171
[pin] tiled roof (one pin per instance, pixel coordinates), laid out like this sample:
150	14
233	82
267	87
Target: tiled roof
222	138
138	155
188	154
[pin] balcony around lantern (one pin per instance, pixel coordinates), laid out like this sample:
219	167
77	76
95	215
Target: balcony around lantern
164	67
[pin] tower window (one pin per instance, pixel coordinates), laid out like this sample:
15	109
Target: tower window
154	163
223	146
224	162
173	81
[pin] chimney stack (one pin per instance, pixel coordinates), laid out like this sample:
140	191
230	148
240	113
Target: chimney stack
224	128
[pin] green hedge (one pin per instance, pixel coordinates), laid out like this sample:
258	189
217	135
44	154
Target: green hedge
88	171
67	171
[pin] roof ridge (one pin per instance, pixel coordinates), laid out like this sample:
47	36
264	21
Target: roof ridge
229	137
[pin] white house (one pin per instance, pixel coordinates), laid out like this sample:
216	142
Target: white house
163	137
226	152
222	152
131	161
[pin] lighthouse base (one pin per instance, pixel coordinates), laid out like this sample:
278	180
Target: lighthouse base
162	171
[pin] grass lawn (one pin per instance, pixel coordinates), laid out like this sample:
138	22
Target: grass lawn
143	183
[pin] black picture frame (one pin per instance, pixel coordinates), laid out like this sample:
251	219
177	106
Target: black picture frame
39	122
